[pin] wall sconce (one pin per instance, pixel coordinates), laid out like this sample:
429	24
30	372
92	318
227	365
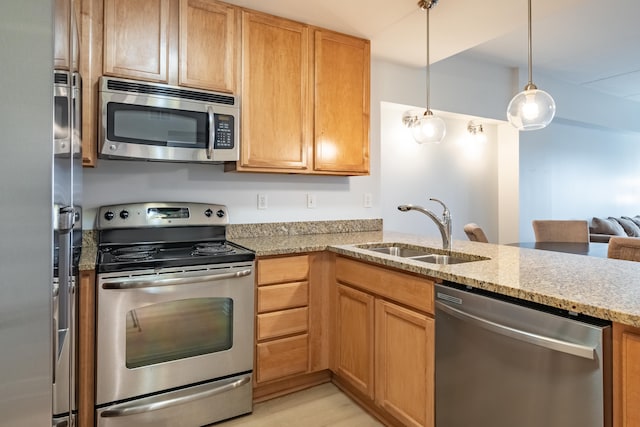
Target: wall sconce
476	132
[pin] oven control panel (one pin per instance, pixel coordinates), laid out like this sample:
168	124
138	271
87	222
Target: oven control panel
161	214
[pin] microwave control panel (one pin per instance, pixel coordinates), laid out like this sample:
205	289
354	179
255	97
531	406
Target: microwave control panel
224	132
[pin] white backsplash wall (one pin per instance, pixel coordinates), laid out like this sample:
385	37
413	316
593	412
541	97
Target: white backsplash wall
117	181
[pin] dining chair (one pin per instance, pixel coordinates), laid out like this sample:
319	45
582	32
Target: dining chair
627	248
573	231
475	233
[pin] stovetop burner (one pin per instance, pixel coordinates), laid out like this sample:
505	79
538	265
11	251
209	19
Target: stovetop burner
211	248
159	235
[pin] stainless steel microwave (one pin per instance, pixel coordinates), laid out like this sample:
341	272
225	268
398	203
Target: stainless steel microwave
150	121
66	113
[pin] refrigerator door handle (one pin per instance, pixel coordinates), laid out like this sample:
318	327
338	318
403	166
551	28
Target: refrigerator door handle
528	337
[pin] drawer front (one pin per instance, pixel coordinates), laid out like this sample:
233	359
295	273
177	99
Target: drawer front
282	270
281	323
281	358
281	297
404	288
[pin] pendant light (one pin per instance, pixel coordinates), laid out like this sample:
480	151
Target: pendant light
532	108
429	127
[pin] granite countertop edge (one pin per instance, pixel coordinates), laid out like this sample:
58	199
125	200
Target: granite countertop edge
599	287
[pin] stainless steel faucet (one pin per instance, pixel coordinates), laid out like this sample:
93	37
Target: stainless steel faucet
444	224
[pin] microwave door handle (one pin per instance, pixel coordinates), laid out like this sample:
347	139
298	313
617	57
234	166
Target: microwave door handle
212	132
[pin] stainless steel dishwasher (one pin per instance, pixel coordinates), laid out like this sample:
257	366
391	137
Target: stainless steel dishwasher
502	362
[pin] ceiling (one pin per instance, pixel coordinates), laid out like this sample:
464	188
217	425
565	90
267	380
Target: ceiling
584	42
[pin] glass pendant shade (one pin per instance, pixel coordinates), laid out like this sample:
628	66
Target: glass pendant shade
429	128
531	109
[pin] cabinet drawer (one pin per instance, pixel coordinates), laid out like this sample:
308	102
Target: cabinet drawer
281	270
280	358
413	291
281	297
281	323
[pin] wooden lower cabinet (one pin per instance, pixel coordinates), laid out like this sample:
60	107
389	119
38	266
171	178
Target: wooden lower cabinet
404	365
626	376
86	348
281	358
383	347
353	345
292	321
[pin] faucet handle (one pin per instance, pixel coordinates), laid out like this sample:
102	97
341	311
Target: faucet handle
446	209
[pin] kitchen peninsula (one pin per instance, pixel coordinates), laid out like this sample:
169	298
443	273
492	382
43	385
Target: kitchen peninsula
598	287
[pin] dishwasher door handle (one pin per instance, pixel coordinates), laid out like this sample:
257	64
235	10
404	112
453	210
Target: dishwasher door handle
585	352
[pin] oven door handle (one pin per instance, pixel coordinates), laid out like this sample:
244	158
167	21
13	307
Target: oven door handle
138	284
131	408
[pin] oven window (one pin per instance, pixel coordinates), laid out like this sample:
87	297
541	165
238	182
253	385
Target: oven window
141	124
177	330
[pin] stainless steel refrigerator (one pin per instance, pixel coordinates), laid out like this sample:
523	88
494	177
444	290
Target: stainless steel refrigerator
38	180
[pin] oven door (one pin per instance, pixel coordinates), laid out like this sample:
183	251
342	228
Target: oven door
159	330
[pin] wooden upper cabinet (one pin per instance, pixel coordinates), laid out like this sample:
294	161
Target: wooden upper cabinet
276	103
296	78
341	103
208	33
61	35
136	39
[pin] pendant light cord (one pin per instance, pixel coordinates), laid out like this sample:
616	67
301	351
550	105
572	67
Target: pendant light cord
428	63
530	48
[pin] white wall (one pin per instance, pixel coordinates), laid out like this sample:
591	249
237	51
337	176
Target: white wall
337	197
576	172
473	184
460	172
538	178
585	163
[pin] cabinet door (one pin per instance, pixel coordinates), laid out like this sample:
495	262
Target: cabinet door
208	32
342	68
136	39
276	103
61	35
354	338
626	371
405	364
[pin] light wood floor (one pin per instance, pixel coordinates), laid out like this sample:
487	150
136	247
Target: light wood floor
320	406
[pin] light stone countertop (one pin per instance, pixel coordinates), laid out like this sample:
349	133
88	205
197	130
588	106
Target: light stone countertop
600	287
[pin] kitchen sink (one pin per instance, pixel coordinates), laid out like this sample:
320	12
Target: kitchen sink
404	252
422	254
443	259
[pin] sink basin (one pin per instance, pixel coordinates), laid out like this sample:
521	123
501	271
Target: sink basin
442	259
400	251
416	253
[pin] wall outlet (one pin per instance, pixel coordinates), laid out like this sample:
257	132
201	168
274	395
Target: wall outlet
311	201
367	200
262	201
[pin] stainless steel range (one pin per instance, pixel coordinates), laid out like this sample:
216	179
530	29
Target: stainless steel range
174	317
